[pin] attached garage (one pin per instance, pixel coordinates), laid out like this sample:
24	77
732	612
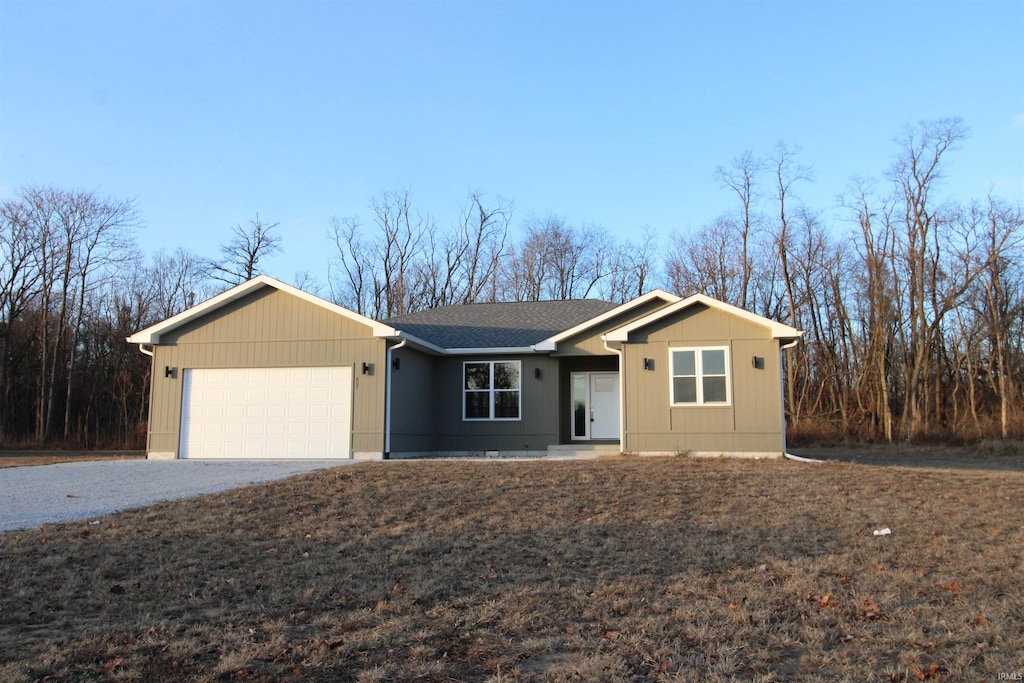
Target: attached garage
266	370
266	413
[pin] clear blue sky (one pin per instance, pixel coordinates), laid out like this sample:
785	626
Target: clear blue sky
614	113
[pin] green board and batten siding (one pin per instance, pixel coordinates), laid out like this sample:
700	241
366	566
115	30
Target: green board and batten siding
413	402
534	432
751	424
269	328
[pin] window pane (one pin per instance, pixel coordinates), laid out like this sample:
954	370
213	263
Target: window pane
506	404
478	376
579	405
714	362
714	390
683	363
684	389
478	405
506	375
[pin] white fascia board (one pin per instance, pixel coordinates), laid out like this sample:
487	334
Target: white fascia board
151	335
492	351
420	343
608	315
778	330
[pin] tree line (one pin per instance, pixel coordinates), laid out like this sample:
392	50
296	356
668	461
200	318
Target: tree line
912	305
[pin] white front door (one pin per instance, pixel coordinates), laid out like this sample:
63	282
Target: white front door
595	405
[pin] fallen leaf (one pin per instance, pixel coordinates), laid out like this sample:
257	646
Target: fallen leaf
953	587
871	610
927	674
826	601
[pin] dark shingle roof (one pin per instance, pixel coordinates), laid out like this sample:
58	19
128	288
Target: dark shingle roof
499	325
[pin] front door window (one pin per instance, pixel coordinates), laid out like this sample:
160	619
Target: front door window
580	406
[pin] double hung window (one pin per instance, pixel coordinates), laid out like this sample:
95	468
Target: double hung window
700	376
491	390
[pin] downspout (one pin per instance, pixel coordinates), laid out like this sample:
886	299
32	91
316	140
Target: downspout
387	398
782	389
622	393
149	352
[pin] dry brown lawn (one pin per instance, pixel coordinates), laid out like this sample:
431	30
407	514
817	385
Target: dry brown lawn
623	569
33	458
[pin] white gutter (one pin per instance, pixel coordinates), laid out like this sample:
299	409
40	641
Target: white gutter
387	398
492	351
142	347
622	393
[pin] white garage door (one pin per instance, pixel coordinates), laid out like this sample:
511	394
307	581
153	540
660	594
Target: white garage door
266	413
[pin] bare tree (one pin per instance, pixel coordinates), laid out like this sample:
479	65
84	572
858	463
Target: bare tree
557	261
915	173
741	178
181	281
1003	302
350	269
76	238
383	275
786	174
879	317
18	286
631	268
709	262
100	228
241	255
482	234
397	251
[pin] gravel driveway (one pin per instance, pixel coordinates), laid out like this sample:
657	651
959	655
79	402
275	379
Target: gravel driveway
30	496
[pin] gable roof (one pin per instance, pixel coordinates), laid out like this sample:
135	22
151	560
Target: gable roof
151	335
777	329
551	343
511	326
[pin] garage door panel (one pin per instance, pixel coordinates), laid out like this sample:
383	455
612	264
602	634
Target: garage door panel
266	413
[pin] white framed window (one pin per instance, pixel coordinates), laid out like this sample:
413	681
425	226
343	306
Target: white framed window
700	376
491	390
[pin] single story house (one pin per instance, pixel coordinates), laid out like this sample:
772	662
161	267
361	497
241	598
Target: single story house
265	370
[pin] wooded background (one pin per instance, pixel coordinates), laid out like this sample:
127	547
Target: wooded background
913	305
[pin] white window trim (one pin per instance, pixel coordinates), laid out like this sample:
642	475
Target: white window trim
699	368
491	391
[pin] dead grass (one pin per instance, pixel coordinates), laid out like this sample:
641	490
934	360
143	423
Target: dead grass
33	458
620	569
